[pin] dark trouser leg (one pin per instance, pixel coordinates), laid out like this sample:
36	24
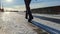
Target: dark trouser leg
30	18
26	15
30	15
27	3
28	12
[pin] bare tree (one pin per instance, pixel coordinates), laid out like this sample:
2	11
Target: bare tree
28	11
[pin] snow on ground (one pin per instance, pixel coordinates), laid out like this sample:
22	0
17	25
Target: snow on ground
49	15
48	23
14	23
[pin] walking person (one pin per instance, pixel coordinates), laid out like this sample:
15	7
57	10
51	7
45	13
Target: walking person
28	11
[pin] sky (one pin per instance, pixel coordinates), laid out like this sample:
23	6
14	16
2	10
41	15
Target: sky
19	4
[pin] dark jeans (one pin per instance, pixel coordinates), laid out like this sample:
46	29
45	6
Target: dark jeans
28	11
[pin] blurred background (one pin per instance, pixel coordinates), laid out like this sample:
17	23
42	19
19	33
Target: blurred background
41	6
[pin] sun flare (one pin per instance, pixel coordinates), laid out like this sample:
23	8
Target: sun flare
9	0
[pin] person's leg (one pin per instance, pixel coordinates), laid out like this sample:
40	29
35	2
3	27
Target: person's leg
26	15
30	15
27	3
29	12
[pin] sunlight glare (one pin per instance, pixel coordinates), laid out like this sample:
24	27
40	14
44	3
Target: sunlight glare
9	0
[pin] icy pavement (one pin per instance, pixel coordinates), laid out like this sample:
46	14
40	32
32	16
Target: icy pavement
49	15
48	23
14	23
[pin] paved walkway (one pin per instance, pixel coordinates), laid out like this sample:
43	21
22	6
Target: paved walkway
14	23
49	21
57	16
55	20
